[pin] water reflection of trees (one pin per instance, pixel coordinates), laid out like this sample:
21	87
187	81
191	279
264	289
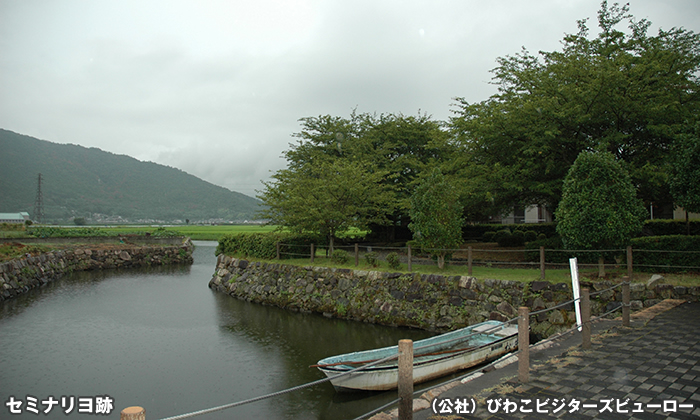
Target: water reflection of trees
297	340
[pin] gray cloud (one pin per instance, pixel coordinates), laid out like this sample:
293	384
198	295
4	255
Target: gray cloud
216	88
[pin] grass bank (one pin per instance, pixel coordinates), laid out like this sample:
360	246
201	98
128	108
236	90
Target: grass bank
482	272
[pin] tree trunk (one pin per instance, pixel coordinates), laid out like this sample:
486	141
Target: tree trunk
330	248
441	261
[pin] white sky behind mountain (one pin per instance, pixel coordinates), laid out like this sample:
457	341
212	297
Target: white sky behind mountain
216	88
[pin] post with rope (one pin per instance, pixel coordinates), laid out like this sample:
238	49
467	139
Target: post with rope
409	257
469	260
585	319
629	263
133	413
626	302
523	344
405	384
542	263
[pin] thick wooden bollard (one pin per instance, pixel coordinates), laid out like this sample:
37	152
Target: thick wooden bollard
405	380
133	413
626	302
523	344
585	319
313	253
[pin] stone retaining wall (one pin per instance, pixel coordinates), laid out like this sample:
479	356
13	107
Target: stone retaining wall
22	274
431	302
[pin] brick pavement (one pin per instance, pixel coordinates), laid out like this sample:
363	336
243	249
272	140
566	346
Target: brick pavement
637	368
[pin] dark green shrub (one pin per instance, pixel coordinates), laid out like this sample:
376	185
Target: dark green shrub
541	237
515	239
340	256
371	258
501	233
393	260
662	227
488	236
264	245
471	232
530	236
599	208
680	251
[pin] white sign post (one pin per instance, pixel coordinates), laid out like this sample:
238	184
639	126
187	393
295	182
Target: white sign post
576	289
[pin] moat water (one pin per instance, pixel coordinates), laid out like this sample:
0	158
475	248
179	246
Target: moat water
161	339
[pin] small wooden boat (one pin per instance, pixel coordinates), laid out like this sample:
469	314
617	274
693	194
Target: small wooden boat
433	357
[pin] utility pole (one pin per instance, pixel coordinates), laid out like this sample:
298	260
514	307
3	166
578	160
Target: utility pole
39	203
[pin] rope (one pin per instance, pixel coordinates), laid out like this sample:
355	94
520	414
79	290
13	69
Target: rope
609	288
617	308
663	250
554	307
278	393
320	381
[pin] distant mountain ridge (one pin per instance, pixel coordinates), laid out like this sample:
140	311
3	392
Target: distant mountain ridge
84	182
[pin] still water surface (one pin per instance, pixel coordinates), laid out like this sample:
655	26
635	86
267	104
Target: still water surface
160	338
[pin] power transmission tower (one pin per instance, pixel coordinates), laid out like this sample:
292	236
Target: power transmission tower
39	203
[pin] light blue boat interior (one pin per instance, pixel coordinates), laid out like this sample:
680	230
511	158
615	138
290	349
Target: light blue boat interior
470	337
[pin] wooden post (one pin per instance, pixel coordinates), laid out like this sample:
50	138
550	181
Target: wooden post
523	344
629	263
409	257
133	413
626	302
469	260
405	380
313	253
585	319
278	250
601	267
541	263
357	254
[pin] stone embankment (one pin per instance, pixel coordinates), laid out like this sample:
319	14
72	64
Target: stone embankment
22	274
431	302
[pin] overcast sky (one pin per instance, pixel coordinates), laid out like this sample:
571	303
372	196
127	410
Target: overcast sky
216	88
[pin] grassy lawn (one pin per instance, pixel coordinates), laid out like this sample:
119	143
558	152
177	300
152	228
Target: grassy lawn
196	232
516	274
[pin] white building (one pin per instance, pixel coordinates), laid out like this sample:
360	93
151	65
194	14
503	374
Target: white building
14	217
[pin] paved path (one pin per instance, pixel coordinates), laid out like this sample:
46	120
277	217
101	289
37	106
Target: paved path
651	371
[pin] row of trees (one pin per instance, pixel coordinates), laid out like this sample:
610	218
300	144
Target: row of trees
623	93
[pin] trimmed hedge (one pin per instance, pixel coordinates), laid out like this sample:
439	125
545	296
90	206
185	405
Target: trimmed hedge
264	245
671	227
478	231
687	255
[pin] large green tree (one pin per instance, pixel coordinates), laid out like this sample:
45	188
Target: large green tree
622	91
326	197
436	216
399	146
684	178
599	209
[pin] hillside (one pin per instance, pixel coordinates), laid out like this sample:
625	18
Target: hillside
82	182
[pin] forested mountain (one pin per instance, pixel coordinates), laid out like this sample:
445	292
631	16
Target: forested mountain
82	182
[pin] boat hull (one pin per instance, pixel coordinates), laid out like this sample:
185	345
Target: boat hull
382	378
